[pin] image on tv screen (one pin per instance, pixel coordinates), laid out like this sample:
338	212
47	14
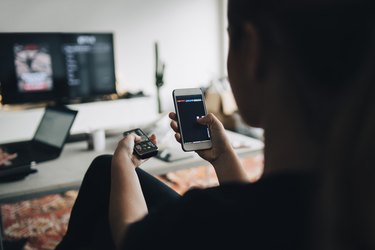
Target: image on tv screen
89	63
33	66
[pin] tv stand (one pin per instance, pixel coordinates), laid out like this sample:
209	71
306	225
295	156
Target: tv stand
108	115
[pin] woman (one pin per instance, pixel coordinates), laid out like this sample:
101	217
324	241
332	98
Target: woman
301	70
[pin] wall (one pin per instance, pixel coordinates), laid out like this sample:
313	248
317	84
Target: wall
189	34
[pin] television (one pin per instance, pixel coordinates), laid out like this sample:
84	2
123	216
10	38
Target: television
56	67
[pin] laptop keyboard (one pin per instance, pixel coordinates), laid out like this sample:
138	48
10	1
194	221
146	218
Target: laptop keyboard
29	152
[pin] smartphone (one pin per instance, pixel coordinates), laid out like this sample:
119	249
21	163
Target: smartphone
144	148
190	106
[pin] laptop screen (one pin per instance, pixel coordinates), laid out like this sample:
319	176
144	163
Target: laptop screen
54	127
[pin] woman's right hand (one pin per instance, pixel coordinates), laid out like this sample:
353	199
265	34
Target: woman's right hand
220	142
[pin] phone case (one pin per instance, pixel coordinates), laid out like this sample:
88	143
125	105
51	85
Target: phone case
195	146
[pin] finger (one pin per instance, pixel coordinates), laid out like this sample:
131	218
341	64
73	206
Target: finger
128	142
153	139
12	156
133	136
174	126
137	138
173	116
178	137
210	120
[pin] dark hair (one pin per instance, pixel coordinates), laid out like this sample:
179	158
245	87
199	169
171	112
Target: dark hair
332	43
329	40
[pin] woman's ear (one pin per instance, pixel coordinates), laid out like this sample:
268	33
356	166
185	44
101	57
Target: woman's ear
251	50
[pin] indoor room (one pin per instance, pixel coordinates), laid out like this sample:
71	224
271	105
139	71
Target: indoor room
187	124
144	50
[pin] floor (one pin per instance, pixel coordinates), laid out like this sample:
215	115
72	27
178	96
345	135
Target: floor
42	222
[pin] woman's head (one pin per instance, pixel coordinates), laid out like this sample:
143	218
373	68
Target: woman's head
314	48
304	71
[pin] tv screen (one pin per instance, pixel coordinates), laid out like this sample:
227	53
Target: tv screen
59	67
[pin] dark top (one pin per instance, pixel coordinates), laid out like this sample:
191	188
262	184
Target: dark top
273	213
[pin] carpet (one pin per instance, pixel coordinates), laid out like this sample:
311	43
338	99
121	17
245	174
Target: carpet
39	224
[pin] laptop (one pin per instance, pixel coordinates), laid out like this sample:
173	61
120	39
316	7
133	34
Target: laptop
48	140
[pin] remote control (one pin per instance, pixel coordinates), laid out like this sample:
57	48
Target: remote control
144	148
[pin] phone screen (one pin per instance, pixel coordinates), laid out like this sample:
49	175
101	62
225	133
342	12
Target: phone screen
190	108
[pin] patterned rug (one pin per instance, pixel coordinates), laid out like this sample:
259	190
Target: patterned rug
42	222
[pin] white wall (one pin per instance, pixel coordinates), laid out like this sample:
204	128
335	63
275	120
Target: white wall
189	34
225	39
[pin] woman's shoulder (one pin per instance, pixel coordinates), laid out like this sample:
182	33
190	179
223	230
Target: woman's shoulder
272	186
227	214
275	205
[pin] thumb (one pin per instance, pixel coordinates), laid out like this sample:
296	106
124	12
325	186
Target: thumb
129	141
209	120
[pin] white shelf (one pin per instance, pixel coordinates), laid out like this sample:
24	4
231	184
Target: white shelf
108	115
